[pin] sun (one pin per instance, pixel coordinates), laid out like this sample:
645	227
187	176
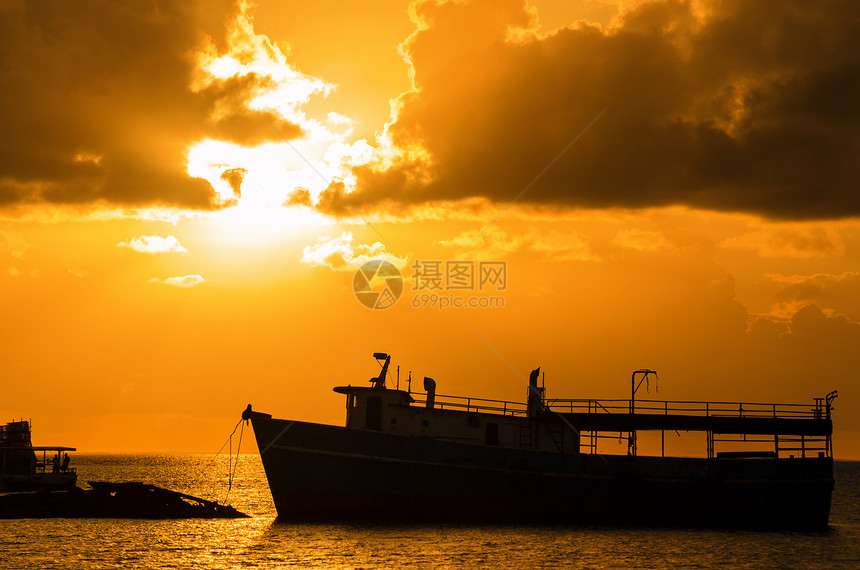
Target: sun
256	186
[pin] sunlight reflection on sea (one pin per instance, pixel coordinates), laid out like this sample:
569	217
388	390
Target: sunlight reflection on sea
260	542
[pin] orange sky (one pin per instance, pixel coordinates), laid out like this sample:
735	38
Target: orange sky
186	193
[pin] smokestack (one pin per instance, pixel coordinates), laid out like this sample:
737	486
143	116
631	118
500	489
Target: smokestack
430	388
534	399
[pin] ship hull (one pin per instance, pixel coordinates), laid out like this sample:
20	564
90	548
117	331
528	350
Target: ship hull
321	472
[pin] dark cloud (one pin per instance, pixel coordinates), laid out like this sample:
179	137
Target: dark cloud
808	354
233	121
97	105
836	293
811	324
796	292
750	107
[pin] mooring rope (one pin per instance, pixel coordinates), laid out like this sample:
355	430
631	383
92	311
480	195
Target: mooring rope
211	459
234	467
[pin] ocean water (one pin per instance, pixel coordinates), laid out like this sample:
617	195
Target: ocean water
261	542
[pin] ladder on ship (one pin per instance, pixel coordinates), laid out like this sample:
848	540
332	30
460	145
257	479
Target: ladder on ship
554	430
556	433
526	432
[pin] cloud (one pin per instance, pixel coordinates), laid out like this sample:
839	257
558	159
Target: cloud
234	177
818	277
791	241
495	243
307	152
813	324
340	254
594	240
13	244
153	244
811	340
184	281
100	101
299	197
834	293
810	351
487	243
641	240
733	106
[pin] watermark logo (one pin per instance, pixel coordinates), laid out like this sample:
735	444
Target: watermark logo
377	284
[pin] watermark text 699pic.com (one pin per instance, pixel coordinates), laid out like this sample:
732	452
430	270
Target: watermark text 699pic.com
452	301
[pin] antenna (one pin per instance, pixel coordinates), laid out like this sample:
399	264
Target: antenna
379	381
633	388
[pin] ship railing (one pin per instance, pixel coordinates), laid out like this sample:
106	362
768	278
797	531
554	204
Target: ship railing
47	466
689	407
48	459
38	462
476	405
791	446
665	407
731	445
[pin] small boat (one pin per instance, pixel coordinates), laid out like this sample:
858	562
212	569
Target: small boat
37	482
114	500
405	455
25	467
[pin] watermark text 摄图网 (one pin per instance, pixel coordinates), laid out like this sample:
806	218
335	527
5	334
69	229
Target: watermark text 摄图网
436	283
441	302
445	284
459	275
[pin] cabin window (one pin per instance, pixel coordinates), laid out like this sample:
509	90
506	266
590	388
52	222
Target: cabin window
492	437
373	419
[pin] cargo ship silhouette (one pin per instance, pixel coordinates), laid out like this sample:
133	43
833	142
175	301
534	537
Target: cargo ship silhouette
404	455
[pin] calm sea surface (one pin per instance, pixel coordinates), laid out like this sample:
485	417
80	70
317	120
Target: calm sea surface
260	542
